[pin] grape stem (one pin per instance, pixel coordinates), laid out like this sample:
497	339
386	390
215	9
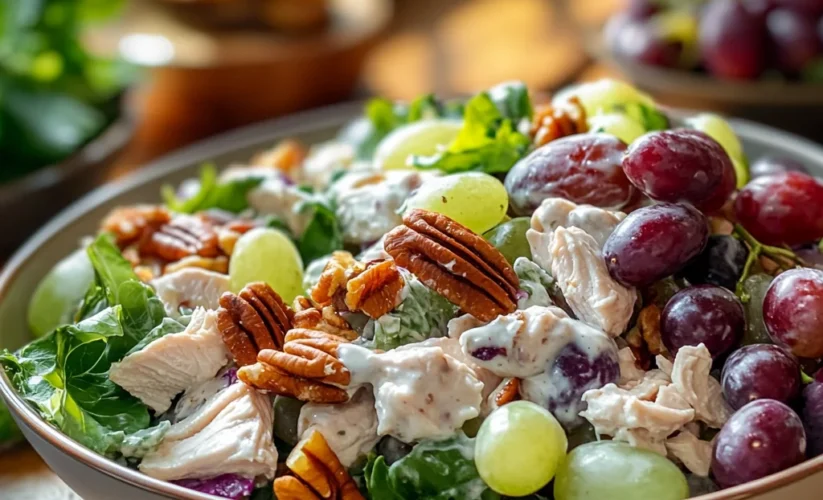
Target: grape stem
779	255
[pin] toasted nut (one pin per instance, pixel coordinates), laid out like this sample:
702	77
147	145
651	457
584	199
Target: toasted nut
314	462
642	356
128	224
458	264
304	360
340	268
312	471
268	378
144	273
254	320
291	488
510	391
286	155
649	322
375	291
226	239
554	122
216	264
326	320
182	236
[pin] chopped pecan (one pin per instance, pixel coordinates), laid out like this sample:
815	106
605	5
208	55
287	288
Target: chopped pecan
318	471
326	319
304	370
217	264
184	235
456	263
375	291
340	268
649	322
642	357
510	391
254	320
128	224
286	155
552	122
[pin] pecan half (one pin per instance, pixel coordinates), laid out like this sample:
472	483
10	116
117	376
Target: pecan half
508	392
317	471
340	268
456	263
128	224
304	370
375	291
551	122
326	319
184	235
254	320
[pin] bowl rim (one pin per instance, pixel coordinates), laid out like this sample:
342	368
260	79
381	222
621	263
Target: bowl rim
299	123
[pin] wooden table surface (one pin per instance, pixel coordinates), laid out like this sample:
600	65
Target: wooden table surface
413	59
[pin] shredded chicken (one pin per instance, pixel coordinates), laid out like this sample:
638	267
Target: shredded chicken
690	375
559	212
231	434
457	326
694	453
594	296
190	287
173	363
420	392
349	428
451	346
629	371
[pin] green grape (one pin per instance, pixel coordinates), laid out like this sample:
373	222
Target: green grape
265	254
474	199
679	26
618	471
719	129
286	418
510	238
755	287
420	138
622	126
57	296
607	96
518	449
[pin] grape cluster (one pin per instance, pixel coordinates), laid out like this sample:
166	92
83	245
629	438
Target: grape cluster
730	39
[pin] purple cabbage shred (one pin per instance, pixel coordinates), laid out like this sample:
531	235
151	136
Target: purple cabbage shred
225	485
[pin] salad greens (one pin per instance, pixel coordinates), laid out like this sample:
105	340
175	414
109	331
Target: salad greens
322	235
423	314
229	195
65	373
434	470
46	72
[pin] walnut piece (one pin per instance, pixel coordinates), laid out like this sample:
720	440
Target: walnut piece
554	121
326	319
458	264
253	320
581	273
375	291
317	473
649	323
339	269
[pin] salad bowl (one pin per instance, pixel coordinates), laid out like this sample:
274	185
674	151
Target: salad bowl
94	477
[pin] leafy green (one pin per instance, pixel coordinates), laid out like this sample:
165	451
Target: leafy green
434	470
423	314
322	235
488	140
512	99
231	195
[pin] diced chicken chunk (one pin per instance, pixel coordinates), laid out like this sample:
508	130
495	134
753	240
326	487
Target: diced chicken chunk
276	196
349	428
190	287
694	453
594	296
558	212
367	201
690	375
231	434
451	346
420	392
173	363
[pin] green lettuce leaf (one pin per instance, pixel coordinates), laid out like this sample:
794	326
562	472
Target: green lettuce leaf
535	282
229	195
322	235
512	99
487	142
434	470
423	314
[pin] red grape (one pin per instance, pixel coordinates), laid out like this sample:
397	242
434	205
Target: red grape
720	263
760	371
793	311
641	41
675	165
813	7
654	242
762	438
704	314
641	9
794	39
771	165
813	414
782	209
732	40
582	168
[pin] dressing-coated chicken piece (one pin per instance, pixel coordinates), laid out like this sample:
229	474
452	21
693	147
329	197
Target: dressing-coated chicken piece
173	363
190	287
230	434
